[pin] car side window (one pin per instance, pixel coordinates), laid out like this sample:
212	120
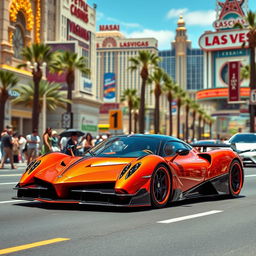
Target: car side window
171	147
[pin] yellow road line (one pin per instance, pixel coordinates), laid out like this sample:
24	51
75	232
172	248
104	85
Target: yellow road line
29	246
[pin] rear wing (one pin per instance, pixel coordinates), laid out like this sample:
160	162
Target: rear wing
209	145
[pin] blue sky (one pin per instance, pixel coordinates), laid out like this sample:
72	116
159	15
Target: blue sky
148	18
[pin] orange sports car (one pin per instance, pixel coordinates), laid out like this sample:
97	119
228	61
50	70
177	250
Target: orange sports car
132	170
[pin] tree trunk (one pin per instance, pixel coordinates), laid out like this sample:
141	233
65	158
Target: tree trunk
157	110
130	120
193	125
70	79
186	124
2	113
142	107
170	113
135	122
178	118
210	127
199	128
252	86
37	76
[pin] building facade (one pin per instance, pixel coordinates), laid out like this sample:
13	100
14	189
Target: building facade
225	94
20	25
64	25
113	76
182	62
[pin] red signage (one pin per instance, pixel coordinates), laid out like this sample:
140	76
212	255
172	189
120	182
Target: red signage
234	81
109	27
134	44
223	40
79	9
79	31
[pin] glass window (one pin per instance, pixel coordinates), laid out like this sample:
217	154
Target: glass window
18	41
171	147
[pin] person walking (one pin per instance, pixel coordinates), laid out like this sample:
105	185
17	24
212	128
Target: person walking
22	148
15	148
47	143
73	145
7	144
55	142
87	142
33	141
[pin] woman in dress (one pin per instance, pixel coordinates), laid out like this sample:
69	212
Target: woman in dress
47	144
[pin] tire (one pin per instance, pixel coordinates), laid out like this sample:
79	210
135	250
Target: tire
160	186
236	178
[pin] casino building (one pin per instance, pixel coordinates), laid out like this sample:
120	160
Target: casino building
225	94
113	53
20	25
64	24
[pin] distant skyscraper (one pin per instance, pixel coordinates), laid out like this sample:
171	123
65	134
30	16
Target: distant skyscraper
183	63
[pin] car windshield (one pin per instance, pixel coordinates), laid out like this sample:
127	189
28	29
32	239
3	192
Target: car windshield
134	146
243	138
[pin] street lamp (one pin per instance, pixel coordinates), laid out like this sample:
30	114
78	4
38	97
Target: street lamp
43	68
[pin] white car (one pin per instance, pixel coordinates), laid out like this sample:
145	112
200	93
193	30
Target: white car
245	145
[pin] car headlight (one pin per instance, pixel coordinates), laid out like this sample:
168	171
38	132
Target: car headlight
126	168
133	170
32	167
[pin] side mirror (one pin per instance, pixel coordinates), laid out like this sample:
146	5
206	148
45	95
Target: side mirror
182	152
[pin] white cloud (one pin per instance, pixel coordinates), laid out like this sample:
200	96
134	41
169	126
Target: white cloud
193	18
164	37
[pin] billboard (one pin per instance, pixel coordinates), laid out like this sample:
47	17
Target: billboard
55	77
234	81
109	88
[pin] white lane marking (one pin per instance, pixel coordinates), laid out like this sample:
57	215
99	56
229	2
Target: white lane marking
8	183
10	175
11	201
189	217
250	175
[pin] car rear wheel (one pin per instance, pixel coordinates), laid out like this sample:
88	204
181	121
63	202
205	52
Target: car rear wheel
235	178
160	187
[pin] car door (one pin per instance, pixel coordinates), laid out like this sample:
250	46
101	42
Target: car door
191	169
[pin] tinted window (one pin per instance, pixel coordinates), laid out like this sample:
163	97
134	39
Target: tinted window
171	147
133	146
243	138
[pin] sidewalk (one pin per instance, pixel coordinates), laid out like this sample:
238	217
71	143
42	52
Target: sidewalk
18	165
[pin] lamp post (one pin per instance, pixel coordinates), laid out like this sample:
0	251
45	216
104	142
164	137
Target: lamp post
43	68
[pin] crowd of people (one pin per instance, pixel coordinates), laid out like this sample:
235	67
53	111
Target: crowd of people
24	149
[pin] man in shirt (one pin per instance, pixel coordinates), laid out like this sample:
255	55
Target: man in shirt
7	149
33	141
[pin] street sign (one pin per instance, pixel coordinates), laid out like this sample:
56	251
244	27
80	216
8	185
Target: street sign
115	119
66	120
253	97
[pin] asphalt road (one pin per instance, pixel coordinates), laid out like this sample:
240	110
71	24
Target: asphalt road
212	226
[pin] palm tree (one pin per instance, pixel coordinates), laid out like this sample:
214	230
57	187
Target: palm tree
53	95
180	95
188	103
136	106
200	117
145	61
129	95
159	78
169	88
38	55
7	81
245	72
68	62
195	108
251	35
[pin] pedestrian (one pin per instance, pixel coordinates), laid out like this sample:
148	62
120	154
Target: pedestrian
1	144
87	142
47	141
15	147
63	144
7	144
72	144
33	141
55	142
22	148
